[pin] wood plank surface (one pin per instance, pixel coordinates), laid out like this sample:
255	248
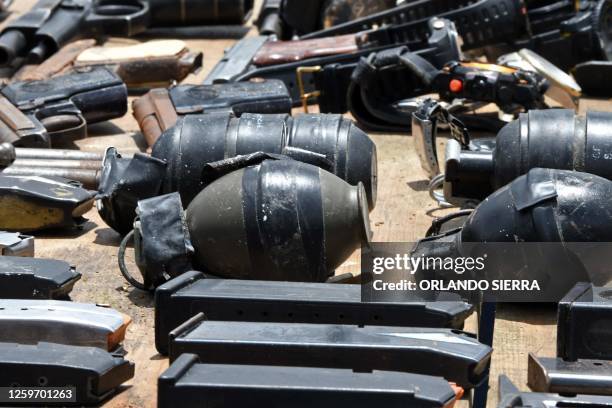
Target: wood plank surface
403	213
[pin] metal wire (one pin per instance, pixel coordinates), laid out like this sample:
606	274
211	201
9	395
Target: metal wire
434	186
122	266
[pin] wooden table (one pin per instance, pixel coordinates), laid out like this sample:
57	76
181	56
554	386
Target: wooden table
403	213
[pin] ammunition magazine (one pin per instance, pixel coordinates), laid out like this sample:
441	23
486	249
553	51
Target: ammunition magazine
456	356
16	244
32	278
570	377
583	330
94	373
511	397
266	301
260	385
58	321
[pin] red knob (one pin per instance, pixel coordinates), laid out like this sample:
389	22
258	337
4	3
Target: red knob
455	85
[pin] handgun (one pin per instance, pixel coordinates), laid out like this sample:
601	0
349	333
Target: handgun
58	110
50	24
159	109
140	66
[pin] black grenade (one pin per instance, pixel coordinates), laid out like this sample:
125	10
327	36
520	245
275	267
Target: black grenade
329	141
541	207
553	138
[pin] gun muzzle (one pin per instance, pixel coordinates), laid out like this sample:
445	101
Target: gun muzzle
38	53
270	25
12	44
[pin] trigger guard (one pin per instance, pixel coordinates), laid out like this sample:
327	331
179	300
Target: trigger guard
107	18
64	129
